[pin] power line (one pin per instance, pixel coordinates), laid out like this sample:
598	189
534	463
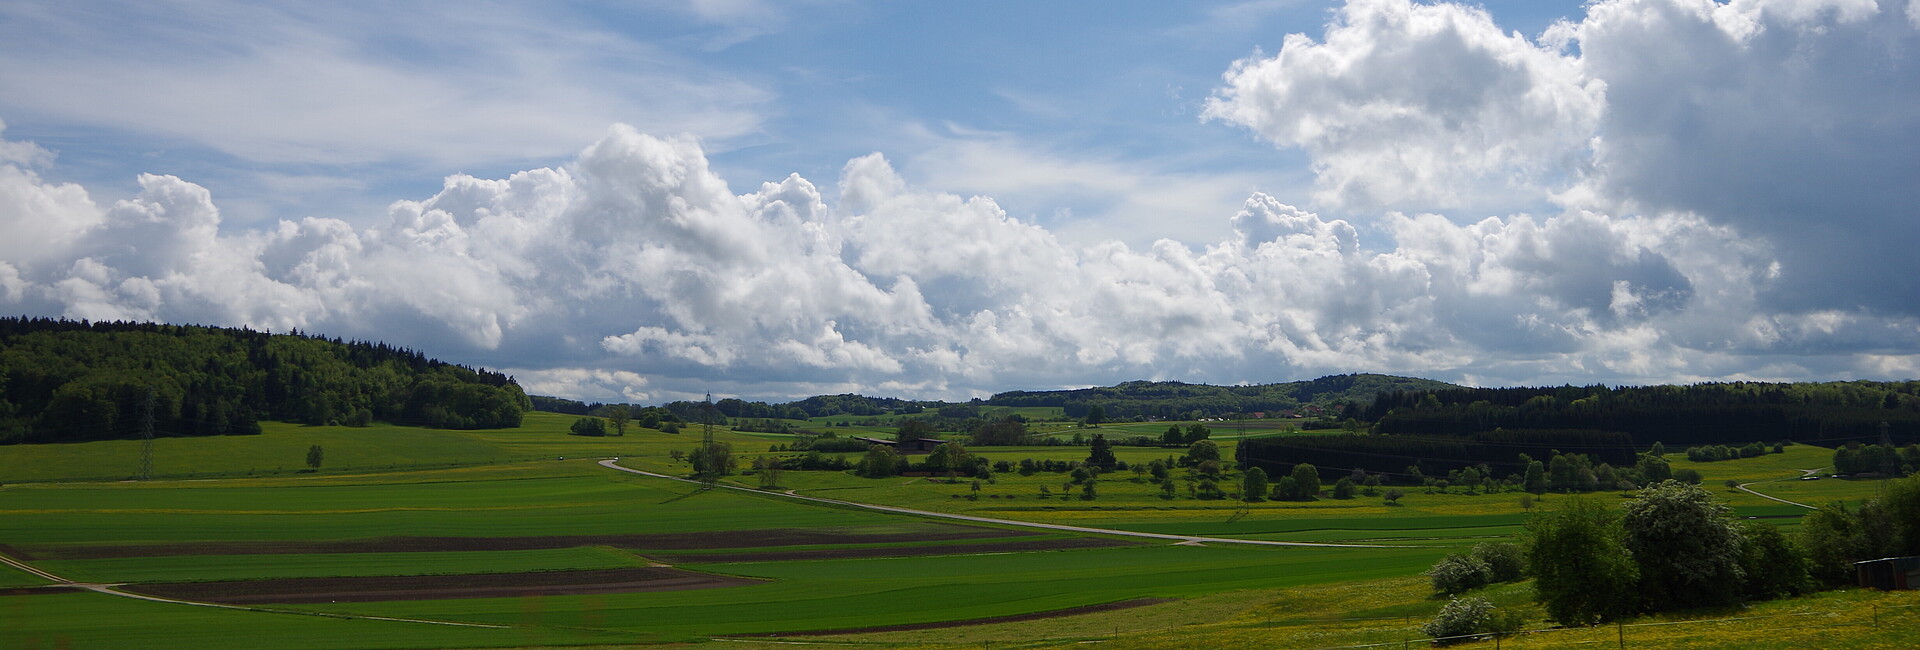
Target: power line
146	437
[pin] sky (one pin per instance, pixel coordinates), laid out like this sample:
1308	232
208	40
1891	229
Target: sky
651	201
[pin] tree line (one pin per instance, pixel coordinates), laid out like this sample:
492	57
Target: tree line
1708	413
1174	400
1434	454
65	381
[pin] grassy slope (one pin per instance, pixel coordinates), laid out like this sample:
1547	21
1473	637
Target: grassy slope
88	620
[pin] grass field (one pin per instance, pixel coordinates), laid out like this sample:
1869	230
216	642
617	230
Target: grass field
243	502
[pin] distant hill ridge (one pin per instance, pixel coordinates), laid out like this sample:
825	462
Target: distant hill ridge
1329	396
1172	399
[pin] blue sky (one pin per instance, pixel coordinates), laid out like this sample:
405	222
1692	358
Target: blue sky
651	200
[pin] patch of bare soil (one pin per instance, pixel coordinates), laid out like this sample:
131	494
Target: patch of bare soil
652	541
490	585
897	551
36	591
1035	616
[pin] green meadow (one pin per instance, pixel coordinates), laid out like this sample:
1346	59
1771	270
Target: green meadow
70	508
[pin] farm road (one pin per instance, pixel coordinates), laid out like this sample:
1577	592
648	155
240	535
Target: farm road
1804	473
1179	539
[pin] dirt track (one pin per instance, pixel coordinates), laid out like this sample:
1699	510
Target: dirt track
490	585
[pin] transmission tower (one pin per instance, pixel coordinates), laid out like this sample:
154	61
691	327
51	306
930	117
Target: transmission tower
146	437
708	473
1888	458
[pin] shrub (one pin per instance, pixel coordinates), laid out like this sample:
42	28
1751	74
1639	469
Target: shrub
1343	489
589	427
1456	573
1464	619
1506	562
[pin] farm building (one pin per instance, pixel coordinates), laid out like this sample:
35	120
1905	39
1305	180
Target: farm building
1890	573
920	446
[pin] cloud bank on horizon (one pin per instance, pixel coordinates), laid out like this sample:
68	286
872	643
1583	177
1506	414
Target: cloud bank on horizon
1734	189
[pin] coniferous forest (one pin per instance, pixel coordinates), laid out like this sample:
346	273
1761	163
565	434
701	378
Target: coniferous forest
66	381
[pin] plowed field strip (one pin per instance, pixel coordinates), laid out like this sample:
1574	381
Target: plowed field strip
496	585
896	551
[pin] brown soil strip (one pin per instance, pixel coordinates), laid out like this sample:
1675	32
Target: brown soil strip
35	591
493	585
896	551
16	553
654	541
1035	616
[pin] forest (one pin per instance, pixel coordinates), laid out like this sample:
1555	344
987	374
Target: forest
67	381
1709	413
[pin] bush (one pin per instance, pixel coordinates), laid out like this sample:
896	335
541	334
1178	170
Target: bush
1343	489
1456	573
1774	566
589	427
1506	562
1466	619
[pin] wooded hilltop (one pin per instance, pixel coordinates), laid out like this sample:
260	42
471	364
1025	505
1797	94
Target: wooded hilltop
66	381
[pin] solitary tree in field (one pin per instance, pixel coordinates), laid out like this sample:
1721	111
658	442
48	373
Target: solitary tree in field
1101	454
880	462
314	455
912	429
1202	451
1307	479
1096	415
618	415
768	471
714	460
1253	485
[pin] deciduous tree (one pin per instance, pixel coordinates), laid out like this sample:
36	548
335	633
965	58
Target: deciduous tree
1578	558
1253	485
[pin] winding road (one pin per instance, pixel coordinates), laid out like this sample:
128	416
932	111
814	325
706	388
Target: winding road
1804	473
611	463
